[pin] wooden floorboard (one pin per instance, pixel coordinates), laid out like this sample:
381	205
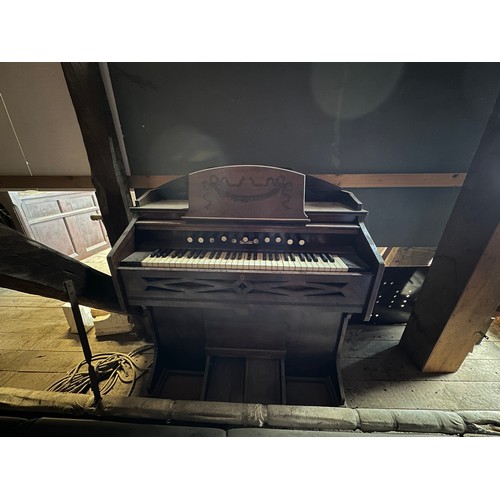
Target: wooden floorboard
388	369
437	395
37	348
378	374
36	381
70	343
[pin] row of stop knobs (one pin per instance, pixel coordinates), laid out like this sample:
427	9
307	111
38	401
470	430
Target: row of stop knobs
247	239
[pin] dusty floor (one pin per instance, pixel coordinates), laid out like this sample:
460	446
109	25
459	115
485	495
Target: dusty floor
36	349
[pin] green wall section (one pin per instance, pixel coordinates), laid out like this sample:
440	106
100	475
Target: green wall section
315	118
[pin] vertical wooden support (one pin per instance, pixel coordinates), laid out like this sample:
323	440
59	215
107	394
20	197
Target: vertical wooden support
84	341
462	287
88	94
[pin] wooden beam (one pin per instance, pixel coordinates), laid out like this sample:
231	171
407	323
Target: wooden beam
90	101
343	180
45	182
462	287
71	182
29	266
408	256
394	180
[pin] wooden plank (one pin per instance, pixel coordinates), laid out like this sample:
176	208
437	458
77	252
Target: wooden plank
425	394
39	361
34	328
367	348
412	256
21	300
375	180
4	378
391	255
92	109
45	182
31	380
396	370
394	180
31	267
36	314
462	290
27	343
486	350
362	332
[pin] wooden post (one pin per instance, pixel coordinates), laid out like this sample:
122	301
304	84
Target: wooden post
84	341
462	288
88	94
29	266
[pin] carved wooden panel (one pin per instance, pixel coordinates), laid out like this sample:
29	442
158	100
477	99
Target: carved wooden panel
247	192
152	287
62	221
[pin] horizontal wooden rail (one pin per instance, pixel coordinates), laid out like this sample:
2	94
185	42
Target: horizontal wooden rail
394	180
45	182
81	182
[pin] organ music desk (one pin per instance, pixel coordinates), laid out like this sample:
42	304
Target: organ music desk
249	275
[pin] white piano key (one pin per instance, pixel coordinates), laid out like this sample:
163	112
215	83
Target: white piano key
246	261
341	264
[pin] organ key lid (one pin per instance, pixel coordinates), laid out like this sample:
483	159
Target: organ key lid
246	193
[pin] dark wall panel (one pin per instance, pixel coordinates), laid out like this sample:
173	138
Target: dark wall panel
407	216
314	118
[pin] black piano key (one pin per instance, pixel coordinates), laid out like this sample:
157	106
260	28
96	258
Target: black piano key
254	256
314	257
264	256
286	257
292	257
324	258
329	257
302	257
217	254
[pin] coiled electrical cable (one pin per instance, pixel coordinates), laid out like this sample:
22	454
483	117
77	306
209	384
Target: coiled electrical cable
109	367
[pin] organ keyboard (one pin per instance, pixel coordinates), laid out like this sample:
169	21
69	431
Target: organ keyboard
244	261
249	275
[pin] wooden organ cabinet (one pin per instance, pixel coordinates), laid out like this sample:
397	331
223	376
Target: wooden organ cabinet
250	275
